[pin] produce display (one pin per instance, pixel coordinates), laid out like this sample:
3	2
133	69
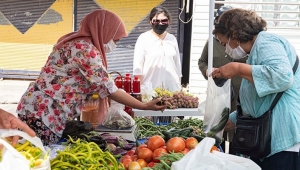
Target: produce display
81	154
158	154
185	128
177	99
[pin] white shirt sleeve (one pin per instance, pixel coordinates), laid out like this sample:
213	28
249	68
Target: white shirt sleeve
139	56
177	59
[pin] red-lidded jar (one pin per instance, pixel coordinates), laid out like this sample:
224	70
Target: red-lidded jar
129	110
136	85
119	82
127	83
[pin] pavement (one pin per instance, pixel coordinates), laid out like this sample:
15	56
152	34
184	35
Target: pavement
10	93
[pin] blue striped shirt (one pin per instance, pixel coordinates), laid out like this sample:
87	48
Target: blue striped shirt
272	58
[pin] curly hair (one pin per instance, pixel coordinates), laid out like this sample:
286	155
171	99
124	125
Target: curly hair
240	24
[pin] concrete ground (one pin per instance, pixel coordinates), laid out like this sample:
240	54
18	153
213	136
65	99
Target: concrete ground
11	92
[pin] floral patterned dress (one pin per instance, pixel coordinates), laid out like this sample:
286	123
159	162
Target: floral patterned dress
70	76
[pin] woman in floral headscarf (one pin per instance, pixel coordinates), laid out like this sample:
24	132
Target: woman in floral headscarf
76	69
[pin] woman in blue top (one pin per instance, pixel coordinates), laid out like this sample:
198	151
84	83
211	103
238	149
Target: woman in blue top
268	70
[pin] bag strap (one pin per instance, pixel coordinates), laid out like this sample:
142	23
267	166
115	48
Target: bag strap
277	97
280	94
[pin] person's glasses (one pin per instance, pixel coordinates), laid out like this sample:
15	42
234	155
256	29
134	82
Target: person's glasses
162	21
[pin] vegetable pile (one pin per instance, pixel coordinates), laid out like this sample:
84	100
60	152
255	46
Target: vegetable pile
177	99
158	154
147	128
81	154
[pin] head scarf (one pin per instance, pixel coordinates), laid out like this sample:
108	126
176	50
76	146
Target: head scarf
98	28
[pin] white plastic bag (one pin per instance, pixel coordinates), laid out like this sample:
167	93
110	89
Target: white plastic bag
117	118
218	99
201	158
147	92
12	159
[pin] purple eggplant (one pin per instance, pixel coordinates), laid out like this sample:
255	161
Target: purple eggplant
128	146
120	151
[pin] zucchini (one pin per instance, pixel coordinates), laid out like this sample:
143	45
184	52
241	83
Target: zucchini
221	125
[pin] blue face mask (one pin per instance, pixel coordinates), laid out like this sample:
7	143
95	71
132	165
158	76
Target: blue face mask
236	53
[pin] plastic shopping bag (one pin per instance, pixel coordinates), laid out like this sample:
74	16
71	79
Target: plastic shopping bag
147	92
117	118
14	160
201	158
217	108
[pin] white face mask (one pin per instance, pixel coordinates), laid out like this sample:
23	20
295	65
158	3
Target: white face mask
110	46
237	53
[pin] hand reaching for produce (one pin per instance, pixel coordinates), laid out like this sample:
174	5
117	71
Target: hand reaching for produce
9	121
121	96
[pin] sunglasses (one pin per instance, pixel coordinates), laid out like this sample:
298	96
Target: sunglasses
162	21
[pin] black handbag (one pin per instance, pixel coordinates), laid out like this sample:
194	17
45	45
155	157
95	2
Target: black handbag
253	135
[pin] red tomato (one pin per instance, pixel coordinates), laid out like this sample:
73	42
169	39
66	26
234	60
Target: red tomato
191	143
214	148
185	151
126	162
145	154
134	166
155	142
139	148
124	157
175	144
158	152
142	162
134	157
164	147
131	152
151	164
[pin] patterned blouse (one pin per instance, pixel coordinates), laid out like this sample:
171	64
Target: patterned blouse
69	78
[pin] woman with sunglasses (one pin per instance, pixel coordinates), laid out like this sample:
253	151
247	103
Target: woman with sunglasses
156	54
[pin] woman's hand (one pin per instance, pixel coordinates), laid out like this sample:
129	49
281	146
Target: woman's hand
227	71
152	105
9	121
233	69
121	96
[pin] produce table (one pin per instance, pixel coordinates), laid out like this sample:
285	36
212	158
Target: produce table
169	112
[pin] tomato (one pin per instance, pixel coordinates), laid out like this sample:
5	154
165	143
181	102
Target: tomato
157	153
155	142
142	162
145	154
151	164
126	162
124	157
191	143
214	148
134	166
139	148
185	151
134	157
131	152
175	144
164	147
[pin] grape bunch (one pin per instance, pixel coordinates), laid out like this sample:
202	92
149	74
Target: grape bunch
177	99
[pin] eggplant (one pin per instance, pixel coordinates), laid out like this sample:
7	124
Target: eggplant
118	141
120	151
128	146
